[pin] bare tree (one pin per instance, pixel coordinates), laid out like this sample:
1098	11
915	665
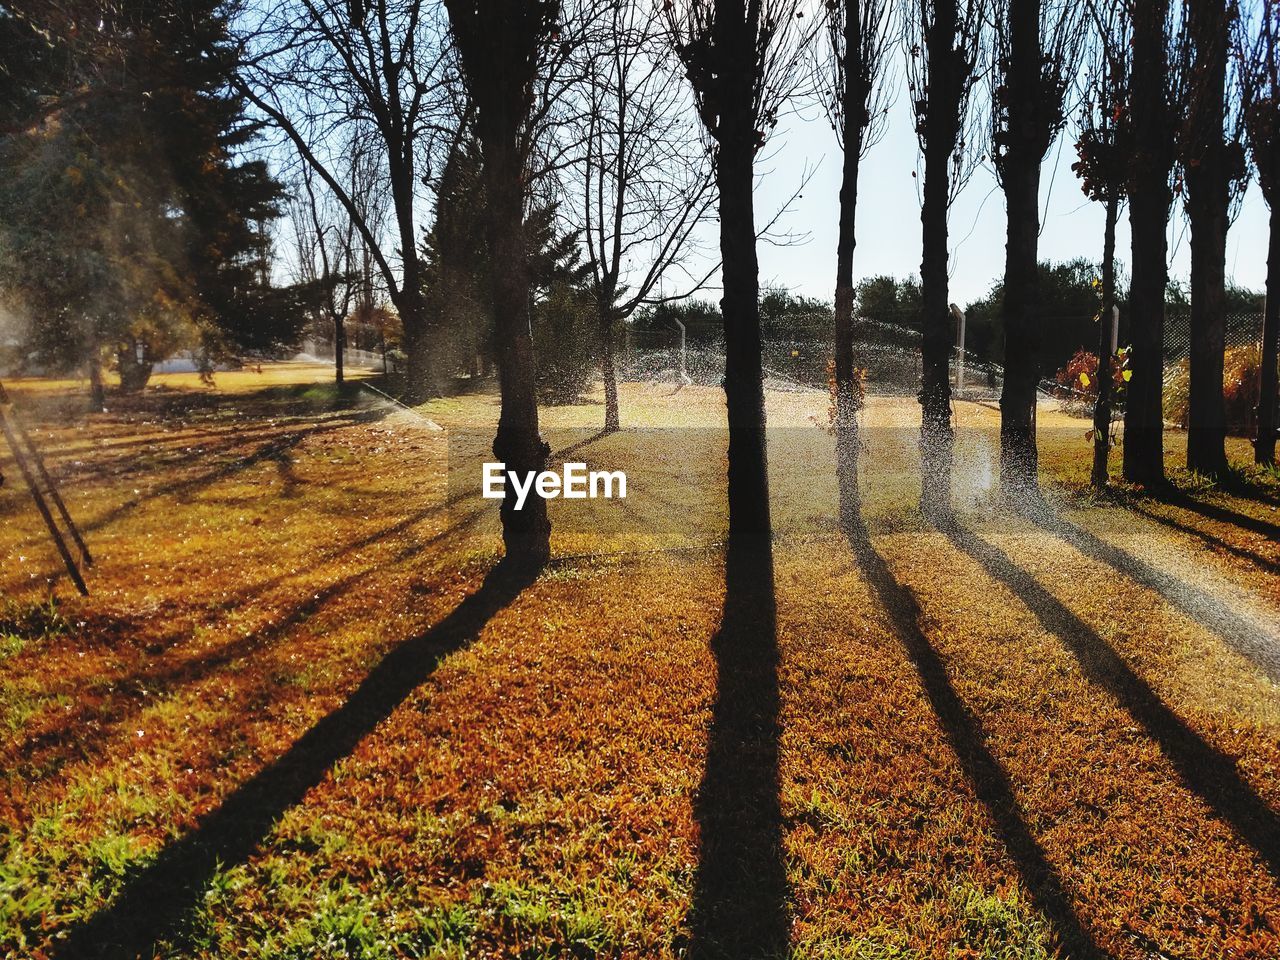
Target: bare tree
1148	131
1211	158
646	182
1258	56
327	71
857	90
945	47
743	60
1101	166
1037	46
325	238
502	46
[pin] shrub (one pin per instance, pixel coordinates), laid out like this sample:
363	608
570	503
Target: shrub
1077	382
564	343
1239	390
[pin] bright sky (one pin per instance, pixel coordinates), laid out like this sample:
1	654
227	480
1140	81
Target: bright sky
889	216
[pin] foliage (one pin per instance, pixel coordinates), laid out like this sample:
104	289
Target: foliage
564	338
785	314
457	262
1239	390
1068	297
889	301
1078	380
702	319
132	223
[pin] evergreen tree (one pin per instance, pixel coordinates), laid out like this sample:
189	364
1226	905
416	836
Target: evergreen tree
131	221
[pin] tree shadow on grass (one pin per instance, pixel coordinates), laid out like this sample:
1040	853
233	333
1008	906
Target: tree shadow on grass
579	445
84	732
272	450
1214	543
1210	774
968	741
1213	511
154	903
1251	638
740	896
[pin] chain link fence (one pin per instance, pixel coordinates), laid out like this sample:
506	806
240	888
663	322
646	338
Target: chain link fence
798	358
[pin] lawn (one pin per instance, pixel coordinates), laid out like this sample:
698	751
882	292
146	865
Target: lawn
300	715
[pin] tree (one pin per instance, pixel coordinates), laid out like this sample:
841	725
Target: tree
1148	131
1209	163
1068	309
157	220
458	262
456	258
1027	113
889	301
646	184
1258	55
742	60
856	91
1100	165
325	238
501	45
378	71
945	45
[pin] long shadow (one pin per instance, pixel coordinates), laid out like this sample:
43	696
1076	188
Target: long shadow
94	726
271	451
1215	543
1212	775
579	445
740	895
1250	638
968	741
1213	511
1246	490
153	905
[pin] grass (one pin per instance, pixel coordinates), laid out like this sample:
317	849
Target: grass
997	743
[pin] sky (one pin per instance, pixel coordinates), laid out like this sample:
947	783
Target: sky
888	221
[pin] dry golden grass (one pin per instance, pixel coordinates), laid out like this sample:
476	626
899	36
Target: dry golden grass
1015	739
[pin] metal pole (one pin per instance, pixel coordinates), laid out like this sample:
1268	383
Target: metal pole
959	315
85	557
684	374
40	504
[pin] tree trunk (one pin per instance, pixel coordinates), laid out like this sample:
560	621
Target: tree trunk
1149	200
1206	424
410	304
1207	199
339	348
526	533
608	373
97	392
135	372
612	419
937	438
1264	447
1102	408
743	373
1020	177
849	393
410	300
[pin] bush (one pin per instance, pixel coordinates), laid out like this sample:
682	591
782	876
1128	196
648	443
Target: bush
1239	390
1078	380
564	343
